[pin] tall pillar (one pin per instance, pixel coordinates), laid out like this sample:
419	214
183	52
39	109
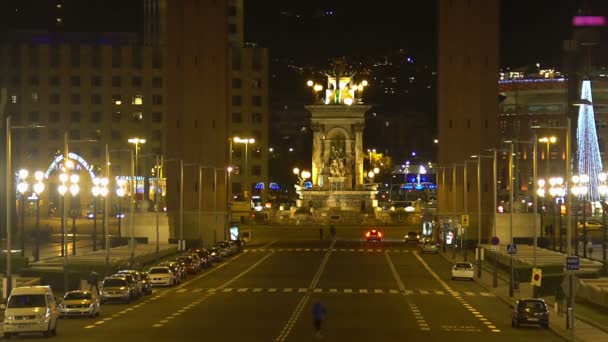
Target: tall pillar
359	154
317	162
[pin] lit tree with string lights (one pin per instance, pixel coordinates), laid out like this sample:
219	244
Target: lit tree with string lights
588	152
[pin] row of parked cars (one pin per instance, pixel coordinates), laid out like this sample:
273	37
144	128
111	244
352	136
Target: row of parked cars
128	285
34	309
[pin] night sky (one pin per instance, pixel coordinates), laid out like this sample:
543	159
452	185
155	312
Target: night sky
313	30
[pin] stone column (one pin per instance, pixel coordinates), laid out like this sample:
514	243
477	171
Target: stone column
317	162
350	170
359	153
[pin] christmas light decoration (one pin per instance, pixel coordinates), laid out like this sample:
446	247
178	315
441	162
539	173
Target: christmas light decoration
588	152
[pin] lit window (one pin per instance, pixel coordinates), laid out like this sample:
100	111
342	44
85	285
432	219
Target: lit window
13	98
138	100
34	97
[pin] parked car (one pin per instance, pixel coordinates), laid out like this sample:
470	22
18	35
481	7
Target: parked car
412	237
463	270
161	276
223	250
176	267
115	289
79	303
215	254
136	278
197	260
203	254
530	311
591	225
230	250
133	285
429	247
146	286
188	263
30	309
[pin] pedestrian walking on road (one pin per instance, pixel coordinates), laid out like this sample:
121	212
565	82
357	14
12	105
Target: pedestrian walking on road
559	301
332	232
93	281
321	233
318	315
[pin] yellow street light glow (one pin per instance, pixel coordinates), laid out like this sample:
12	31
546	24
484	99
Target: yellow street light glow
364	83
370	174
104	182
74	189
229	169
376	170
348	101
63	177
74	178
22	187
541	182
95	191
305	174
317	87
39	175
23	173
296	171
136	141
39	188
62	189
309	83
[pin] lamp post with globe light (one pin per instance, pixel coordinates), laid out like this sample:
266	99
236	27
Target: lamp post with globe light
120	192
22	187
580	190
74	190
99	189
38	189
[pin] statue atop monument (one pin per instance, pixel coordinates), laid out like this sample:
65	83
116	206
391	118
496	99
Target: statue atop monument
341	87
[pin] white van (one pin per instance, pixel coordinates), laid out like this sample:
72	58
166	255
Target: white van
30	309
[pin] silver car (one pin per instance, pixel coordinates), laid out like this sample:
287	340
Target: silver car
115	289
79	303
429	247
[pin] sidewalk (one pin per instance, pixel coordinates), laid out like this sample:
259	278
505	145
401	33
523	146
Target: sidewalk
586	328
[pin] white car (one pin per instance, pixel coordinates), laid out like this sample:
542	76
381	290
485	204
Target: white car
161	276
463	270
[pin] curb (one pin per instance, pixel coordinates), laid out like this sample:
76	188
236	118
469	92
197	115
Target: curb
556	331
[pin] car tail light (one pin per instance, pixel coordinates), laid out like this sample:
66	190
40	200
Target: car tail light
379	234
367	235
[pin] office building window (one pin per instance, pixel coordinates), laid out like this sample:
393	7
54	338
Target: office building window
74	134
237	83
117	99
53	134
95	117
96	99
33	151
256	63
232	11
116	81
96	152
237	118
96	81
33	117
33	81
75	81
75	99
15	56
75	117
137	57
232	28
33	134
54	99
256	170
157	135
256	118
116	116
256	100
32	55
34	97
75	56
54	81
116	57
15	81
137	116
256	83
136	82
55	56
157	82
115	135
138	100
236	59
157	59
157	117
96	56
54	117
157	99
237	100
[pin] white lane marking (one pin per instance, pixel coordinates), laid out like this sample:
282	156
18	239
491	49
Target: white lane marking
302	289
485	294
228	289
378	291
298	310
348	290
333	290
469	293
288	289
423	292
317	290
362	290
439	292
394	272
408	292
391	291
242	289
257	289
272	290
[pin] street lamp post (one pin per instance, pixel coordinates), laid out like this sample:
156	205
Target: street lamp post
135	171
74	189
580	189
120	192
603	190
38	189
99	189
22	187
245	141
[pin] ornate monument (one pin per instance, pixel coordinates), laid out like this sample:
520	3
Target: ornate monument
337	121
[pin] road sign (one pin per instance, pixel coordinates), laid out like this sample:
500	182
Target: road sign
495	248
495	240
512	249
573	263
464	221
537	275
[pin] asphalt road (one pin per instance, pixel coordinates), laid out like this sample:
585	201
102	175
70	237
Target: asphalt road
372	292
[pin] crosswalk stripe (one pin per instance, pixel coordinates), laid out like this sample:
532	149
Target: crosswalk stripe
469	293
288	289
391	291
378	291
439	292
485	294
302	289
360	250
197	290
242	289
408	292
317	290
362	290
257	290
423	292
272	290
316	249
348	290
333	290
228	289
